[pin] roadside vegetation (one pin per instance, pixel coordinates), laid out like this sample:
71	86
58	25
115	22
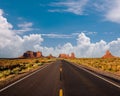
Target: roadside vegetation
12	67
108	64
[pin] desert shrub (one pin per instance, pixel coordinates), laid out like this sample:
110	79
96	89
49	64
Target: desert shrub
110	64
1	74
6	72
118	67
16	70
40	64
114	68
35	65
2	68
22	67
37	61
28	65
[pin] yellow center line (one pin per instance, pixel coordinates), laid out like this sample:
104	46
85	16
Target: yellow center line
60	69
60	92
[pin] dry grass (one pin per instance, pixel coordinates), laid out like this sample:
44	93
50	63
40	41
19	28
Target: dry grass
13	67
110	64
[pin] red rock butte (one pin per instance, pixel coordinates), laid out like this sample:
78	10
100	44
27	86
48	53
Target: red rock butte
31	54
50	56
66	56
108	55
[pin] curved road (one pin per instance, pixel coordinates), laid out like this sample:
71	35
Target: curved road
61	78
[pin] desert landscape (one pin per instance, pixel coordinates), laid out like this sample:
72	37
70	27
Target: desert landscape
60	48
30	61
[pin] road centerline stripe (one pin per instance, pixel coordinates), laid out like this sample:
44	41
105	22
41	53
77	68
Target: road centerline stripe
61	92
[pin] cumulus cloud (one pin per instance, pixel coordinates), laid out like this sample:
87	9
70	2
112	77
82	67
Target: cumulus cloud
84	47
11	44
83	40
115	46
72	6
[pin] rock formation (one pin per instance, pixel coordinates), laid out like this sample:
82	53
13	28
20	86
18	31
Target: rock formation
72	55
31	54
50	56
63	56
38	54
67	56
108	55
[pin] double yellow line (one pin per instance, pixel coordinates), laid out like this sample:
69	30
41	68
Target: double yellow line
60	69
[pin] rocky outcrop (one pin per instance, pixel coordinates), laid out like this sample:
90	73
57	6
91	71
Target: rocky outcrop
63	56
50	56
108	55
38	54
67	56
31	54
72	55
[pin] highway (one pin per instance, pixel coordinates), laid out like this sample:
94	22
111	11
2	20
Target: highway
61	78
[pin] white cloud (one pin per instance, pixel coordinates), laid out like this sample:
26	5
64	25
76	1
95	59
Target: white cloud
113	14
110	9
72	6
84	47
24	27
1	12
63	36
115	47
11	44
51	35
83	40
5	30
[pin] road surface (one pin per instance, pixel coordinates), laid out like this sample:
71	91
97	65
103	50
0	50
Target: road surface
61	79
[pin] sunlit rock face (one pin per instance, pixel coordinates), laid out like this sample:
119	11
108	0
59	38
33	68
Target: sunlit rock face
31	54
67	56
108	55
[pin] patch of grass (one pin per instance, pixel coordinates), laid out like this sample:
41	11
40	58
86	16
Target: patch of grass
110	64
16	66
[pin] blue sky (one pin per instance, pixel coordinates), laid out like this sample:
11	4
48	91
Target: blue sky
60	22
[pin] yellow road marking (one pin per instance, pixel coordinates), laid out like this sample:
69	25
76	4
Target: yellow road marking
60	92
60	69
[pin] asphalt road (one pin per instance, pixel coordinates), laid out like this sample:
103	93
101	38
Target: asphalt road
73	81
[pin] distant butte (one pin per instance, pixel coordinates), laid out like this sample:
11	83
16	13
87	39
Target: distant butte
50	56
31	54
67	56
108	55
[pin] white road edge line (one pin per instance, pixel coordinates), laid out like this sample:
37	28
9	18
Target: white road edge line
22	79
118	86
